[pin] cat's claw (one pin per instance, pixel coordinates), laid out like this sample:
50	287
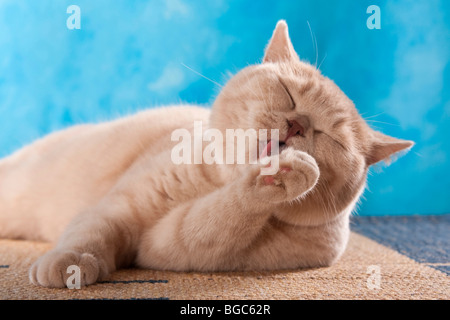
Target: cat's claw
54	269
298	173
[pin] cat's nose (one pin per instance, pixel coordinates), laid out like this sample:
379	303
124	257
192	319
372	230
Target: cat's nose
297	126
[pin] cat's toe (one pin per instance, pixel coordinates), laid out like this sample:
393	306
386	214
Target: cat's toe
59	269
297	173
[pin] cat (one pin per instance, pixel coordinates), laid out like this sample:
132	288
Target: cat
109	196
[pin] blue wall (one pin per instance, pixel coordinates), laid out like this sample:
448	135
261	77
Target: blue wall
129	55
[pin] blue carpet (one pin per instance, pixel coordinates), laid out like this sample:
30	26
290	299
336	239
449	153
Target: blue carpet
426	239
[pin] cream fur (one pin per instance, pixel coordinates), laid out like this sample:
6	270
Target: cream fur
109	195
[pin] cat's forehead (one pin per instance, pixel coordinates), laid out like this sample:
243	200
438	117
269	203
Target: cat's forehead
304	82
298	76
297	69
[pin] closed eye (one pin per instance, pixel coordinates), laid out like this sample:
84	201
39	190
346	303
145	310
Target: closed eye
288	93
336	141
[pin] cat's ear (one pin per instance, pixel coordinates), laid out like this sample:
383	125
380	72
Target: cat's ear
280	47
384	148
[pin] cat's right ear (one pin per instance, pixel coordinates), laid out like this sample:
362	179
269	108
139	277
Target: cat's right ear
384	147
280	47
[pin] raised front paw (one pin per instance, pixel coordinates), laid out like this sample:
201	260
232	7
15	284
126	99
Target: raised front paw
297	173
55	267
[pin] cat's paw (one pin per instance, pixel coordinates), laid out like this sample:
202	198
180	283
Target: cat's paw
297	174
52	269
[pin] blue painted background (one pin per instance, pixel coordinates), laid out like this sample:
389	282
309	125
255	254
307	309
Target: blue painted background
129	55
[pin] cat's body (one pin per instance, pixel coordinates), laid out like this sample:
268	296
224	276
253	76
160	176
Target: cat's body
79	166
115	195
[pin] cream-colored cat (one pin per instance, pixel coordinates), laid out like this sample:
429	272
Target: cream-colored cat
109	195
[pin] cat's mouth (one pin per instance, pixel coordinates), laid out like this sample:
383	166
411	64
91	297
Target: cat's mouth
267	151
295	129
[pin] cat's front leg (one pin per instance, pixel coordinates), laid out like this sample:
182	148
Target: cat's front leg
297	174
206	233
54	268
96	243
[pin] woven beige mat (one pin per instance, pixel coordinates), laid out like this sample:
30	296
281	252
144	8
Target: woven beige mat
367	270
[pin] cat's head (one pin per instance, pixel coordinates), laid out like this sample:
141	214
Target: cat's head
284	92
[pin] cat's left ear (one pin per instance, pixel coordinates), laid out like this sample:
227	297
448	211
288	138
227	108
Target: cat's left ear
280	47
384	147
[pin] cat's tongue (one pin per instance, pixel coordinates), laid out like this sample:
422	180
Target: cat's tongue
267	150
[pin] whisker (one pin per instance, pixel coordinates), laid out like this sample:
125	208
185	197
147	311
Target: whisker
201	75
391	124
379	114
322	61
375	127
314	43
